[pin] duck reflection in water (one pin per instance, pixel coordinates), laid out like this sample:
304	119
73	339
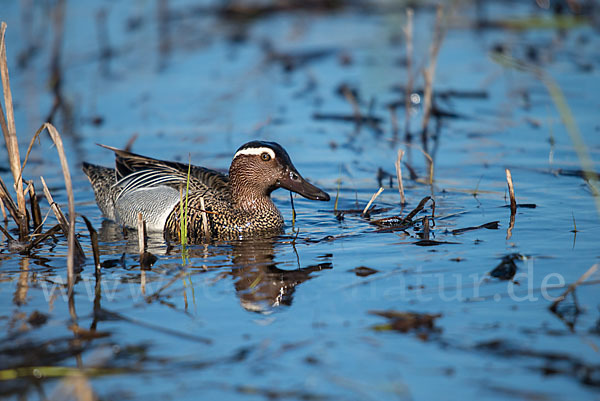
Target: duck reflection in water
260	285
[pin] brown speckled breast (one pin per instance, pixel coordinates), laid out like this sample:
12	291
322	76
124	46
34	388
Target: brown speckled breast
224	220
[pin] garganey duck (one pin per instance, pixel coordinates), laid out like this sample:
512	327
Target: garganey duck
236	205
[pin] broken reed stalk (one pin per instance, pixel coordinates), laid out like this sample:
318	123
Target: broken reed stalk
375	195
511	192
429	72
36	213
94	240
399	176
7	123
408	33
573	286
426	228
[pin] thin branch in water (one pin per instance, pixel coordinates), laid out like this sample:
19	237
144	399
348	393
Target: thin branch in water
375	195
399	176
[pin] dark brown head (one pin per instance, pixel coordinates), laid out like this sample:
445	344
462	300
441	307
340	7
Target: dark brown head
258	168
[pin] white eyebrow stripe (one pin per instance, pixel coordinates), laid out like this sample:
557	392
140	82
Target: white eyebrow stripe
255	151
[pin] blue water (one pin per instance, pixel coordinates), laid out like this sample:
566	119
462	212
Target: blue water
285	318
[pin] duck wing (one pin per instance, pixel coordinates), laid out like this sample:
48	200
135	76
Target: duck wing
135	172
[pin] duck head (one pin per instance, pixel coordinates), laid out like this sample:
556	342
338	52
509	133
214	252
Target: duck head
258	168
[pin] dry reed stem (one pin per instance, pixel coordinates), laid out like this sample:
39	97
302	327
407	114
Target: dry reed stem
513	204
375	195
3	210
7	124
60	217
204	218
511	192
399	176
408	32
36	213
41	237
69	187
426	228
511	226
429	159
573	286
64	224
7	234
8	202
429	72
430	166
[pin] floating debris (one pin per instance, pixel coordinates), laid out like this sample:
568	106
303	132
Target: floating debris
423	324
363	271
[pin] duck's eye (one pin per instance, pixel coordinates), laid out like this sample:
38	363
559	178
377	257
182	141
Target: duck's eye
265	156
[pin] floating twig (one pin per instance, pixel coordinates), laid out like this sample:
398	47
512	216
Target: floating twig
375	195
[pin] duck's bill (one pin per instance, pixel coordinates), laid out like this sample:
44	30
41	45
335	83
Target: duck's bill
295	183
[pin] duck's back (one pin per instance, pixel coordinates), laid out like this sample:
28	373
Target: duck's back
152	187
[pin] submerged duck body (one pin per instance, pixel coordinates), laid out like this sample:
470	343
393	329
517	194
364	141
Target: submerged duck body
238	204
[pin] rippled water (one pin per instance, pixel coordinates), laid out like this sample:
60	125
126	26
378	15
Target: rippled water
291	317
